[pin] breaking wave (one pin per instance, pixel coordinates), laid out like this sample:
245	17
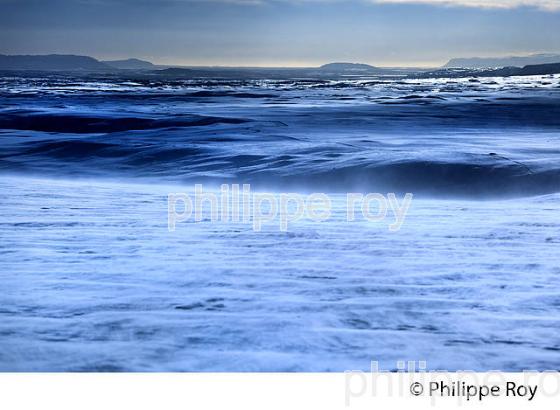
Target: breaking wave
437	138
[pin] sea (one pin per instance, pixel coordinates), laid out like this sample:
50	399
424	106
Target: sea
92	278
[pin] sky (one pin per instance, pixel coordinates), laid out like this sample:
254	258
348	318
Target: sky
281	32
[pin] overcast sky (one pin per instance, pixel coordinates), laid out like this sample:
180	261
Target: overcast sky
281	32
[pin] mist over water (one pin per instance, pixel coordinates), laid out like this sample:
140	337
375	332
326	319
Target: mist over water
92	280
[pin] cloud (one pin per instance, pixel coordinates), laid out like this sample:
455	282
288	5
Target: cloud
548	5
552	5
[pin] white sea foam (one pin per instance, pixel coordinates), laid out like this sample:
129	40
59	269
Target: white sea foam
93	280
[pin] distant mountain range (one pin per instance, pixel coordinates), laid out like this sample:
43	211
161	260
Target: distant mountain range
537	69
51	62
496	62
64	62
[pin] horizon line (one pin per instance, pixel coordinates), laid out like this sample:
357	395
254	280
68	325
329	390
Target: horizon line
294	64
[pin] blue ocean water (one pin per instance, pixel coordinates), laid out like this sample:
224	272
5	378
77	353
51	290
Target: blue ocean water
445	137
92	280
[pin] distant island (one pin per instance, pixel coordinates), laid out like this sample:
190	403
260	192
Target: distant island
498	62
133	66
130	64
77	63
349	68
